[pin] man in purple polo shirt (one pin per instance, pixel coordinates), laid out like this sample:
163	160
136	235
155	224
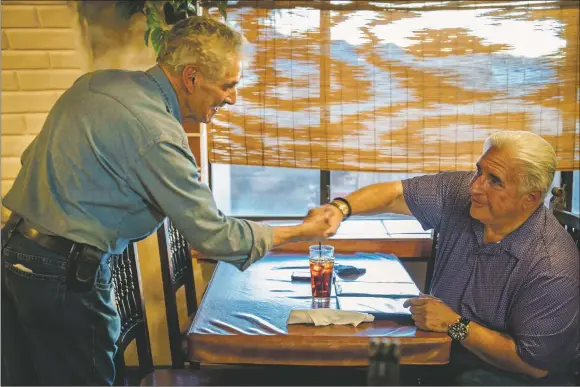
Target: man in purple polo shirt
505	285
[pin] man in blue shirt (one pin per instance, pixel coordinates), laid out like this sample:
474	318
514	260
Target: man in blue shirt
110	164
505	284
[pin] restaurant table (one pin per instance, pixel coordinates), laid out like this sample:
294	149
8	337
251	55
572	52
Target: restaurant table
242	317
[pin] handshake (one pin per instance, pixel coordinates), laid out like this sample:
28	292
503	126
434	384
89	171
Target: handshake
321	223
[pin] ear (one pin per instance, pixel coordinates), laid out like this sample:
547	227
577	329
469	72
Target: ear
190	77
532	199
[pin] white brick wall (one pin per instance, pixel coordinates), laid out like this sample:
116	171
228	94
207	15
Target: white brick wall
42	55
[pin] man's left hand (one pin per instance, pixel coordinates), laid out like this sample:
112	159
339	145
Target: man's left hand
430	313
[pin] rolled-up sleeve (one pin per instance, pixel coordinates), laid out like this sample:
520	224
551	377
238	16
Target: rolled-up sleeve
166	176
544	321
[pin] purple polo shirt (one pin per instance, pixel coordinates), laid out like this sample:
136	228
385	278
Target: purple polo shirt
526	285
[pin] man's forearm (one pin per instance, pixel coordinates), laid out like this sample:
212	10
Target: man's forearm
498	350
287	234
379	198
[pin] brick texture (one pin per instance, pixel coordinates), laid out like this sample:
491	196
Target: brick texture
19	16
55	16
5	44
41	57
47	79
9	81
41	39
13	146
21	60
32	102
65	60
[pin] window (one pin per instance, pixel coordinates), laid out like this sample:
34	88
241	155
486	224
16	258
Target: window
279	193
269	192
265	192
368	88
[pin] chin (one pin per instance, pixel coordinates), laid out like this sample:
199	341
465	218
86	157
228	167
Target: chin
478	213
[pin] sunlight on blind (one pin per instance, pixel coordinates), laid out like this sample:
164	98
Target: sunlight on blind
400	87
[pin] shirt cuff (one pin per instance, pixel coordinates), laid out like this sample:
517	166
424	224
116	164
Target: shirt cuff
262	242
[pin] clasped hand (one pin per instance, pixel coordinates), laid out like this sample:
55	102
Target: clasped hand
430	313
316	226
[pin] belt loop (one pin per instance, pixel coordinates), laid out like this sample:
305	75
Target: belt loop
11	229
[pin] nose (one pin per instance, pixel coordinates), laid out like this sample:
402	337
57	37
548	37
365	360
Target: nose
232	96
476	185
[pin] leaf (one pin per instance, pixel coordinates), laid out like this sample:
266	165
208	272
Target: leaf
222	7
146	37
192	7
152	17
127	8
158	39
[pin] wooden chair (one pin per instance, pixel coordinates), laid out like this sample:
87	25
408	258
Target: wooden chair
131	309
571	222
383	369
176	272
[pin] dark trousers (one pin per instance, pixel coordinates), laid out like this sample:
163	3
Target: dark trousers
51	335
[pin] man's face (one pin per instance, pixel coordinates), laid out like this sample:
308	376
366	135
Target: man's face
208	96
494	190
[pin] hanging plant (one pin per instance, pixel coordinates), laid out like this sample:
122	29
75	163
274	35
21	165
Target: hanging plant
161	15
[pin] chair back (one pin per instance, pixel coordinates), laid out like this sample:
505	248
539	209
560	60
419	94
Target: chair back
131	308
383	369
176	272
571	222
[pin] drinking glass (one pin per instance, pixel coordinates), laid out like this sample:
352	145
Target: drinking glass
321	271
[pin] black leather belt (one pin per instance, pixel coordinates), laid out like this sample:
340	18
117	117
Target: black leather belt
53	243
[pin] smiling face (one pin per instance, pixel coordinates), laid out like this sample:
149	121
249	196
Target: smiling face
203	97
495	198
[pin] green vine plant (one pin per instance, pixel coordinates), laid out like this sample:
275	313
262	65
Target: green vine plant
161	15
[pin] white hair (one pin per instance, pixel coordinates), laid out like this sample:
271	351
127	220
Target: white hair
203	42
534	154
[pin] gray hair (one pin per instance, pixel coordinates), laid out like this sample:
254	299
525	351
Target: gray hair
534	154
203	42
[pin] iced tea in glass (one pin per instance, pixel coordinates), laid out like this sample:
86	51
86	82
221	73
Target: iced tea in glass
321	271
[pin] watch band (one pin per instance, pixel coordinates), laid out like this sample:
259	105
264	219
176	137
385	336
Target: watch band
343	200
343	209
464	320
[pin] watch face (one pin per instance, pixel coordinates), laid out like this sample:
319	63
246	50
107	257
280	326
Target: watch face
457	331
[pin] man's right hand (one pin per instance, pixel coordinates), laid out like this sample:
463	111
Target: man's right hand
333	216
316	226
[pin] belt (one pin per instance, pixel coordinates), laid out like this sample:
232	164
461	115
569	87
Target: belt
53	243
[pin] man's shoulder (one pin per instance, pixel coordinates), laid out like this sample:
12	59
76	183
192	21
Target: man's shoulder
549	248
137	95
560	247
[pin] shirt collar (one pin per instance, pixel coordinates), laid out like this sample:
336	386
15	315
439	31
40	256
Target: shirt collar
518	241
167	91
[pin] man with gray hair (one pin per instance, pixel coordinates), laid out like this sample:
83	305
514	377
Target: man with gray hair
111	163
505	283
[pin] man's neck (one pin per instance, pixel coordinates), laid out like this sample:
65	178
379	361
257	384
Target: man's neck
494	233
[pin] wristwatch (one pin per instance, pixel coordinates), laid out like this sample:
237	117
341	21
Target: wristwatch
343	206
459	329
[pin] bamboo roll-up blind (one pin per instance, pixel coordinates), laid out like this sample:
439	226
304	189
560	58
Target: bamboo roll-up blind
399	86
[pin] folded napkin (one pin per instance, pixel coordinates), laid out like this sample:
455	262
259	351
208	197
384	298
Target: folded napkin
326	316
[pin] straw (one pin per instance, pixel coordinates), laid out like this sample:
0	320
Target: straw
320	249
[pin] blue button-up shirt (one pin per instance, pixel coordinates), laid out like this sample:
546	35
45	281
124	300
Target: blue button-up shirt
113	160
526	285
